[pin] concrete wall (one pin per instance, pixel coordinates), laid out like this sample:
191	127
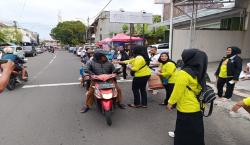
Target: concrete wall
213	42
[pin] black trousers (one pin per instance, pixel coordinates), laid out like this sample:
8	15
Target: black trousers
124	71
189	129
169	89
229	88
139	90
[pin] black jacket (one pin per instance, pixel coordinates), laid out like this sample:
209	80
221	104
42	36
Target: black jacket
234	67
98	68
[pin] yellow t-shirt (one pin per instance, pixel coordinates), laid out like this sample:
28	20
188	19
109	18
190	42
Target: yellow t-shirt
223	69
186	99
137	64
168	70
247	101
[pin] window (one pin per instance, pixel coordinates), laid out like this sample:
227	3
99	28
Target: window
19	49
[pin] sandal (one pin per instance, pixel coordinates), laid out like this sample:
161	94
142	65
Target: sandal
134	106
144	106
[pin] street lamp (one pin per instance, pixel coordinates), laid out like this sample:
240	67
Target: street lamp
143	25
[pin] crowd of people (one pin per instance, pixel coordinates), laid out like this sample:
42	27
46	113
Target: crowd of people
182	85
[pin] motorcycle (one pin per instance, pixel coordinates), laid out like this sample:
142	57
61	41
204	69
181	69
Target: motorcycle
16	78
105	94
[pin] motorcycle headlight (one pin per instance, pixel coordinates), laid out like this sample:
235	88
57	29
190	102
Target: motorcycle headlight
107	96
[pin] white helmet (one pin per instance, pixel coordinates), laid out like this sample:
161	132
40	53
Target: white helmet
8	50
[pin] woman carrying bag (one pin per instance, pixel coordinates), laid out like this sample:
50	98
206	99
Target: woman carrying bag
167	71
141	72
189	82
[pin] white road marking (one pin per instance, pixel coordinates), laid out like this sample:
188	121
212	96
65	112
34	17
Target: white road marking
62	84
46	67
50	85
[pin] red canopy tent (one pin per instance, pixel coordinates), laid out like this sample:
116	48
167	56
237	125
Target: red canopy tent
104	41
124	38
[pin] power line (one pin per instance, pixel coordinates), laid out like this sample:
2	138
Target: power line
102	10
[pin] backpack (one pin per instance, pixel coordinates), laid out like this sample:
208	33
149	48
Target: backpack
205	98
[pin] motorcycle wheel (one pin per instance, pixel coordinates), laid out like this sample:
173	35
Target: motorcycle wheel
12	84
108	117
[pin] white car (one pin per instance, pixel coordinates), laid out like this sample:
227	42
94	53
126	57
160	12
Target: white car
162	47
79	51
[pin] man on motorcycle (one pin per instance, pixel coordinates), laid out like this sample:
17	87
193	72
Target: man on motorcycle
100	65
7	68
17	60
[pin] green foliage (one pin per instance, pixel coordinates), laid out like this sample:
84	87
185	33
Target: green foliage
10	35
125	28
2	37
158	32
139	29
156	18
69	32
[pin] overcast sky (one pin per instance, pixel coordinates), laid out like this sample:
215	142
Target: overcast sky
41	15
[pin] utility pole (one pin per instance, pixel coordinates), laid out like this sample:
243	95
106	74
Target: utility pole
15	26
88	39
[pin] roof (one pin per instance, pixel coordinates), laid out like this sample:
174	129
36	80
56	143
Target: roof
200	14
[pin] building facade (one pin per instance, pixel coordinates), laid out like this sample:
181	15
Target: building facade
103	28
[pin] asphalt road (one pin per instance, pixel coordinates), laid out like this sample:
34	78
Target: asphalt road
50	115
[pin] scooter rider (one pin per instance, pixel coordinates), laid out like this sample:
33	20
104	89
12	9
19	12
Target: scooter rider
17	60
100	65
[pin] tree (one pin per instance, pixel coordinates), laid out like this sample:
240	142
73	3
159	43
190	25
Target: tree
156	18
125	28
69	32
2	37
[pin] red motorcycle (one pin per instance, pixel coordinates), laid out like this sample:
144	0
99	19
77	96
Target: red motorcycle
105	94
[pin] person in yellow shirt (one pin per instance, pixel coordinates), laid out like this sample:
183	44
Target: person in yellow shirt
189	82
228	72
167	71
142	72
238	105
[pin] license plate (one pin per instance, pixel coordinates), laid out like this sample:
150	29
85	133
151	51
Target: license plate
106	86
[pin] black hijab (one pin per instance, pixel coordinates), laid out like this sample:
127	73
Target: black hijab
142	51
235	51
164	62
195	63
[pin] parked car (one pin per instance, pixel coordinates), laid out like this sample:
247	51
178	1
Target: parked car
74	50
39	50
29	50
162	47
17	50
79	50
71	49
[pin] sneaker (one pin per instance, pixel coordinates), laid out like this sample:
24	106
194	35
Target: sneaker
171	134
